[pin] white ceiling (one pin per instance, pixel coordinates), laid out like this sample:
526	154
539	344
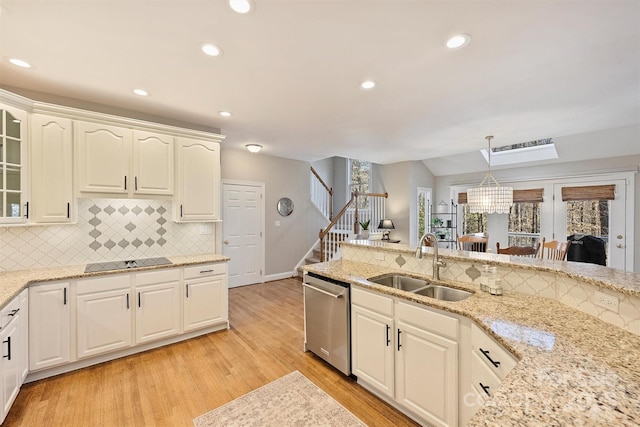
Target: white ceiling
291	70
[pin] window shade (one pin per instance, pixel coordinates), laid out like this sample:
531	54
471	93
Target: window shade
521	196
591	192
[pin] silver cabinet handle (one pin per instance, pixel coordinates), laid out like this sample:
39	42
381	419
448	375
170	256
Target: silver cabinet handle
322	291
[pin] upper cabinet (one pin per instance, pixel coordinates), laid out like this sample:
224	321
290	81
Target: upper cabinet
152	163
51	169
14	204
198	180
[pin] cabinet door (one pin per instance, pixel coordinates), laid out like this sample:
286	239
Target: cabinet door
51	169
103	322
158	311
198	180
49	325
103	157
14	206
205	302
152	163
427	374
372	349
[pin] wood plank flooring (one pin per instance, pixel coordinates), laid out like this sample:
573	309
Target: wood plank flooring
172	385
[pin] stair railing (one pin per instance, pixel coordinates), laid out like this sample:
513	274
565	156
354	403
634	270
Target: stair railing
348	220
321	194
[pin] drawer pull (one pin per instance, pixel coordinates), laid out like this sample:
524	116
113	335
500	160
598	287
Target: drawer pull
399	345
8	342
388	339
206	271
486	354
14	312
187	290
485	388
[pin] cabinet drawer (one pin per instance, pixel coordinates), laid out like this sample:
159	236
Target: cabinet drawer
104	283
482	376
428	319
9	312
485	347
204	270
158	276
376	302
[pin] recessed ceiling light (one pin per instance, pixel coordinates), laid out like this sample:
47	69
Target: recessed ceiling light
20	63
224	113
211	49
458	41
240	6
367	84
140	92
254	148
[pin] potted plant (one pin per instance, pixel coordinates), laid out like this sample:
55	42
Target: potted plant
436	224
364	233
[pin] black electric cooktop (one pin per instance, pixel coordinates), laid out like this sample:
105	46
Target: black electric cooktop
123	265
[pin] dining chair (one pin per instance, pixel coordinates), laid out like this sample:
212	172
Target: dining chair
524	251
473	242
554	250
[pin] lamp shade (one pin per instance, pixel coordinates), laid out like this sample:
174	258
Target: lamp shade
386	224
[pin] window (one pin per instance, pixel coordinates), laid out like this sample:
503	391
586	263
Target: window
360	180
473	223
524	224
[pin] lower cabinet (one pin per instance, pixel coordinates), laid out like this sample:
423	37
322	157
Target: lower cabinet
157	305
49	325
408	353
103	315
14	340
205	296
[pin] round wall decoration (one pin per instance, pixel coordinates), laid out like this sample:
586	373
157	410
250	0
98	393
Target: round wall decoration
285	206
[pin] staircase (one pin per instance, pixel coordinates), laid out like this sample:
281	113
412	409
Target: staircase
345	225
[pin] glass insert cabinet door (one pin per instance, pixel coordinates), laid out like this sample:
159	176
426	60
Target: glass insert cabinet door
12	164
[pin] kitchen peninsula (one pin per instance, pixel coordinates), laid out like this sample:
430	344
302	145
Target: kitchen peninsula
574	366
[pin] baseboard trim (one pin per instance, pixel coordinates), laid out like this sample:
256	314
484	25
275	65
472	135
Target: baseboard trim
279	276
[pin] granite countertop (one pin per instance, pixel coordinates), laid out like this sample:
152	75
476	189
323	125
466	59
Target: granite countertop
618	280
573	368
13	282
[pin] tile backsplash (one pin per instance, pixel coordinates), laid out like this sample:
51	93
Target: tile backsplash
107	229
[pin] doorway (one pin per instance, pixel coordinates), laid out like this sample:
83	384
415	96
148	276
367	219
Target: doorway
243	231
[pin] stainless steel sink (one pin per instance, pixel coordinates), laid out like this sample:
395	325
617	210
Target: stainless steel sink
421	287
398	281
443	293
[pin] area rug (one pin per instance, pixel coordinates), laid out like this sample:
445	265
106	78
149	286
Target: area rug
292	400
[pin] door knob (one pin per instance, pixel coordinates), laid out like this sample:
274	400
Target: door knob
619	246
226	242
619	236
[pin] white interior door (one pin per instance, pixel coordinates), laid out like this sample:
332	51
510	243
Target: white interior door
619	251
243	231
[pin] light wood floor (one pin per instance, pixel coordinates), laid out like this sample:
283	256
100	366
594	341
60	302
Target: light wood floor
172	385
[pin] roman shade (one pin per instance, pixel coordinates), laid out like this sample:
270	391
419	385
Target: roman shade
590	192
519	196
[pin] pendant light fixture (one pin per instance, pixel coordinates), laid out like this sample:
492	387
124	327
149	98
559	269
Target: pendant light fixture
490	196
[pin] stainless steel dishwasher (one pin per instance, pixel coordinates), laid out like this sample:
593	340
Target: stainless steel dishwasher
327	331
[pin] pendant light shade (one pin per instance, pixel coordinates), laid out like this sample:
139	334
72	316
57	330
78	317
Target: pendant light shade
490	196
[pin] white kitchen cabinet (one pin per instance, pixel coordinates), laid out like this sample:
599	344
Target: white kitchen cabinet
14	200
427	364
51	169
372	350
123	162
408	353
103	315
14	361
197	180
103	158
152	163
49	325
157	305
205	296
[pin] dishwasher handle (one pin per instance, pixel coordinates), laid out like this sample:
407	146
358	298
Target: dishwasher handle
322	291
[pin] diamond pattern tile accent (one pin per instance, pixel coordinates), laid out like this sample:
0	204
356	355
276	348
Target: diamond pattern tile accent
149	210
94	245
130	226
123	210
95	221
400	261
94	209
149	242
109	210
137	243
136	210
162	210
161	241
123	243
110	244
94	233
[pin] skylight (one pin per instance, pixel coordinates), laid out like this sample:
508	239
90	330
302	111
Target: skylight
523	152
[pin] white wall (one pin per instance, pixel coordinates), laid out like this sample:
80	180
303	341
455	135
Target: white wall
287	244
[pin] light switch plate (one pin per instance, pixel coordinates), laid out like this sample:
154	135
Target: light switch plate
206	229
277	223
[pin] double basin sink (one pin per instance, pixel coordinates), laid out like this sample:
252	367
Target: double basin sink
421	287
